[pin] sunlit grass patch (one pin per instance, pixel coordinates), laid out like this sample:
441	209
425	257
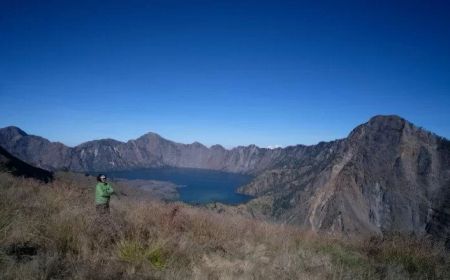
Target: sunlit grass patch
134	252
157	257
130	251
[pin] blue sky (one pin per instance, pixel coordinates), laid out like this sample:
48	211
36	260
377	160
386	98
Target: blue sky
227	72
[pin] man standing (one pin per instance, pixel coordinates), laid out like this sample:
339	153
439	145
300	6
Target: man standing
103	192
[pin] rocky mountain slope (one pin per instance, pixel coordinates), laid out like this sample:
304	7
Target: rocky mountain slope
16	167
387	175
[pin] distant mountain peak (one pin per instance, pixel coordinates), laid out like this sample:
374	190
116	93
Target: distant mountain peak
14	130
198	144
378	118
151	135
380	124
105	141
387	121
217	147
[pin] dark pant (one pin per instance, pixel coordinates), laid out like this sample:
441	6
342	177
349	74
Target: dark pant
102	209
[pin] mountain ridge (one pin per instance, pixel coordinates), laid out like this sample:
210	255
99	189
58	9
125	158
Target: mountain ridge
145	151
387	175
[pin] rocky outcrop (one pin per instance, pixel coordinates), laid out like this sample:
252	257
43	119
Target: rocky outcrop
387	175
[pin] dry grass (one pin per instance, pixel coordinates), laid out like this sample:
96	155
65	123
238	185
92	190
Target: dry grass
52	231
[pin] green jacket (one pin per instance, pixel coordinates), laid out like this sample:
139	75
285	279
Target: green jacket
103	192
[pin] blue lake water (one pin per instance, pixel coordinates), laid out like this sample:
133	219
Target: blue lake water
198	186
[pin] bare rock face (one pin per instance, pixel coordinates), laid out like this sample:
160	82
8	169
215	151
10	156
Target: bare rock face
439	213
387	175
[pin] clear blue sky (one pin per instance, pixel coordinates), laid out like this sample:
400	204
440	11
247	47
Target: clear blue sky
227	72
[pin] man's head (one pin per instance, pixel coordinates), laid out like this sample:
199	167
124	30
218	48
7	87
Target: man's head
101	178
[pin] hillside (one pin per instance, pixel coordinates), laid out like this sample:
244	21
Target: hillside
387	176
16	167
51	231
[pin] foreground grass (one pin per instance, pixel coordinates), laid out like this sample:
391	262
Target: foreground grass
51	232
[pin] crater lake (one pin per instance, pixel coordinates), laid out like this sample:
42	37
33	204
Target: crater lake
195	186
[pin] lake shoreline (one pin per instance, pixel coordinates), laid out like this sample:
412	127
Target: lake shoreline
194	186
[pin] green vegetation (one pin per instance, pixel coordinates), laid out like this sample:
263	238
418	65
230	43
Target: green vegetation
132	252
51	231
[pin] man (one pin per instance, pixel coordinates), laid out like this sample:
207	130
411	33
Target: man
103	192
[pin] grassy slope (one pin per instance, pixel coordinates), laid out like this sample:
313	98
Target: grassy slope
52	231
